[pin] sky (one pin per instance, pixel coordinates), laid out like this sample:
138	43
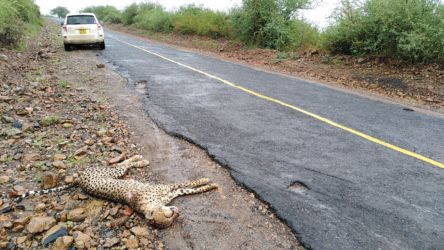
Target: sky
318	16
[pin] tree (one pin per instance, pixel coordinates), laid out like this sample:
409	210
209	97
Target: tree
60	11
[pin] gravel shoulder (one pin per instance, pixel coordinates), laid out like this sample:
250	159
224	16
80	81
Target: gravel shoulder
62	112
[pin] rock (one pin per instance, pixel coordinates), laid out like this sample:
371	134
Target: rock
89	142
140	231
31	157
132	242
110	242
119	222
77	214
59	157
53	234
3	58
17	124
21	221
59	164
21	112
100	66
40	207
117	159
63	243
11	132
29	110
114	210
40	223
102	132
67	125
20	240
127	211
7	119
69	179
81	240
4	179
50	180
81	151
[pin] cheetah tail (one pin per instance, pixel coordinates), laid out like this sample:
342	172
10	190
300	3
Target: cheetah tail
41	192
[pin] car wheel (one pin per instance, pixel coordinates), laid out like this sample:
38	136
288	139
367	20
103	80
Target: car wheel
67	47
102	45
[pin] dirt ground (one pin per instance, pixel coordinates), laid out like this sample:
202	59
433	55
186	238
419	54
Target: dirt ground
65	111
420	86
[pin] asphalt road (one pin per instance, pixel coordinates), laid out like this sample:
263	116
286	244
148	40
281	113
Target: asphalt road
348	192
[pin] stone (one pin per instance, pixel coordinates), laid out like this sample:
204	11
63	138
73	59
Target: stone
89	142
69	179
81	151
119	222
7	119
110	242
4	179
39	224
81	240
29	110
40	207
20	240
53	234
140	231
21	112
117	159
3	58
59	164
21	221
31	157
63	243
59	157
132	242
11	132
77	214
49	180
100	66
17	124
67	125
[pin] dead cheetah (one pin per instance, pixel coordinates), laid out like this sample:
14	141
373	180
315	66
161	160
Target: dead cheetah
148	199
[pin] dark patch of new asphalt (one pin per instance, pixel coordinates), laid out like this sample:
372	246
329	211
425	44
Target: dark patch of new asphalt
334	189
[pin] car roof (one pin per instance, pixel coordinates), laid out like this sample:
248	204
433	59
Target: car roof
80	14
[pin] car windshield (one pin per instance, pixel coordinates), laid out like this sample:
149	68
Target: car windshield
81	19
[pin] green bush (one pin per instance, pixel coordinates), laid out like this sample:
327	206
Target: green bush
129	14
17	17
270	23
192	19
107	13
153	17
411	30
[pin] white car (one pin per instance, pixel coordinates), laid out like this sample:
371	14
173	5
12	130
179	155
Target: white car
82	28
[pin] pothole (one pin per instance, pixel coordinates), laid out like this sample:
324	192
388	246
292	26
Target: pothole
141	86
297	187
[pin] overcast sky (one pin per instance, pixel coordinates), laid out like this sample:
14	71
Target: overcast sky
318	15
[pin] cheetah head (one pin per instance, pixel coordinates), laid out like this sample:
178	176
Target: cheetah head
161	216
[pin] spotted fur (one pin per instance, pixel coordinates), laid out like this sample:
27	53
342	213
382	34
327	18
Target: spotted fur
149	199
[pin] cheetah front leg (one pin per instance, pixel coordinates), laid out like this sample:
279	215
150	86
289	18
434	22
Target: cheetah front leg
188	191
190	184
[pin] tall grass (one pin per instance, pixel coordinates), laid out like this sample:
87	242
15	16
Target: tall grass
17	18
410	30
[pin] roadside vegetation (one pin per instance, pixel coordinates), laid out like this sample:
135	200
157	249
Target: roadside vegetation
18	18
406	30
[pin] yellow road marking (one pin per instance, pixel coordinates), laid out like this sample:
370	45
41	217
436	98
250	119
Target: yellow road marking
315	116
